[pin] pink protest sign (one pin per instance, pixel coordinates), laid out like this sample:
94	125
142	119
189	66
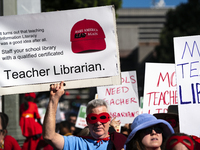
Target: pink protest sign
122	99
159	88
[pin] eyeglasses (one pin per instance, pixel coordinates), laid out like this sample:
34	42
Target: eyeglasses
94	118
172	122
155	128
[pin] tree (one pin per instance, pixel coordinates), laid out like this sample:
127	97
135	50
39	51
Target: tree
55	5
184	20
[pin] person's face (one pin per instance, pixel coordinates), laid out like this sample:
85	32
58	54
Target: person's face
72	119
179	146
152	137
99	130
2	132
73	129
64	130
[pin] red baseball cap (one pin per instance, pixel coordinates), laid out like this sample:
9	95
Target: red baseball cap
87	36
33	95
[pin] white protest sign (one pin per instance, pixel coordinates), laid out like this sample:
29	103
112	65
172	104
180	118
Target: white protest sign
159	87
63	45
134	84
122	99
81	118
187	58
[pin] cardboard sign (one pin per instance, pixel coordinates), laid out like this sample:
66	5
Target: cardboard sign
159	88
122	99
81	118
59	46
187	58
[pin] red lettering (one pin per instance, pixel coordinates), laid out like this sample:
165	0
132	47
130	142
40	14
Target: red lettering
132	79
107	91
127	101
162	97
124	114
117	103
125	89
125	80
133	100
118	115
154	97
165	110
173	97
159	109
118	90
132	114
112	91
172	79
121	101
165	98
112	102
163	79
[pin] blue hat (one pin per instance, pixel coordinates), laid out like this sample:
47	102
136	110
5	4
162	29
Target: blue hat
143	121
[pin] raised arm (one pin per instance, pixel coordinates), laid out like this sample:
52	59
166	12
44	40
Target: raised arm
50	136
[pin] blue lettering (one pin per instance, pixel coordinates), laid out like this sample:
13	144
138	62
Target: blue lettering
191	52
180	94
193	93
191	69
198	92
182	68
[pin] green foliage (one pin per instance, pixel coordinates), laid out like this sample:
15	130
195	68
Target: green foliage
182	21
54	5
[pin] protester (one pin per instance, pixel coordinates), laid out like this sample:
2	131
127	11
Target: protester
173	118
66	128
126	129
98	121
72	118
148	132
30	128
7	142
179	141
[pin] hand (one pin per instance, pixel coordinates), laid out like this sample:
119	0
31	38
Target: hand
56	90
115	123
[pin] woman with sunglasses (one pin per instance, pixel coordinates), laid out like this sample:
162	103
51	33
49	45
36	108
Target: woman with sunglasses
148	133
179	141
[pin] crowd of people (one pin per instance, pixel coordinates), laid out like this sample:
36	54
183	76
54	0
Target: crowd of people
146	132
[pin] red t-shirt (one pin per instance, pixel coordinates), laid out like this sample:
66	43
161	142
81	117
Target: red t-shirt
10	143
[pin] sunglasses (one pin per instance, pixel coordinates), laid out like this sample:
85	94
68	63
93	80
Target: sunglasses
155	128
94	118
172	122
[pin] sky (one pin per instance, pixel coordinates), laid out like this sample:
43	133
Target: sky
148	3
